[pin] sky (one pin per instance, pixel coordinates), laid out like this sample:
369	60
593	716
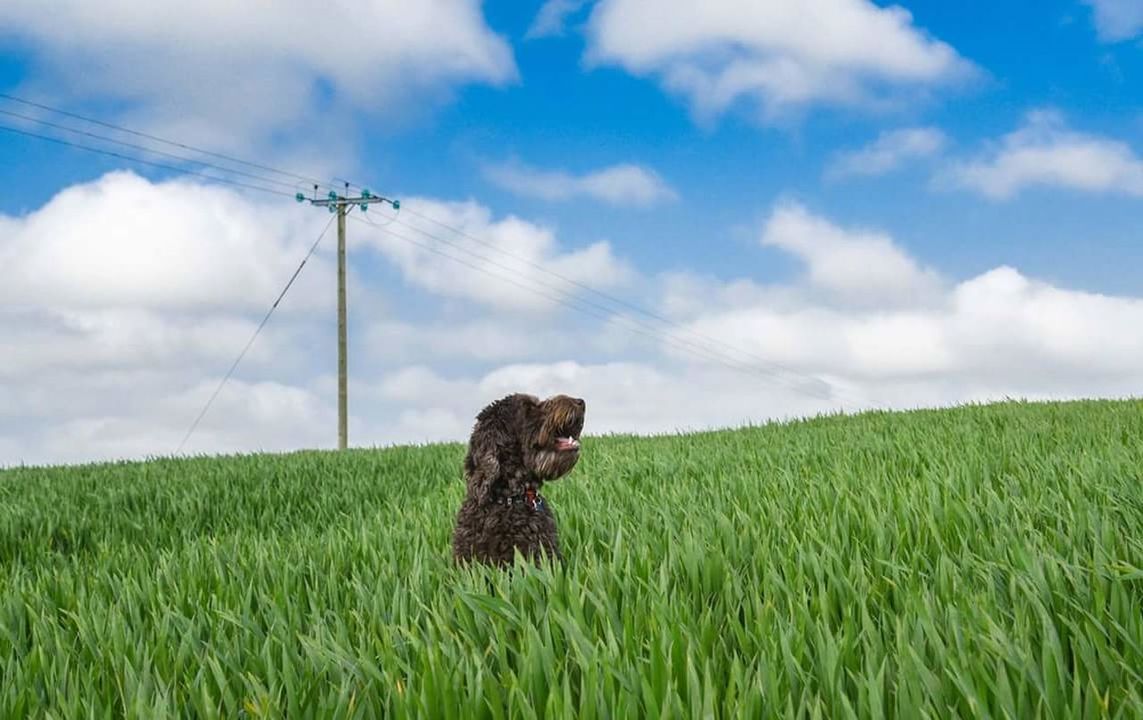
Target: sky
693	215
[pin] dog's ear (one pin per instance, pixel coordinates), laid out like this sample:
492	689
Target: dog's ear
497	432
482	465
533	421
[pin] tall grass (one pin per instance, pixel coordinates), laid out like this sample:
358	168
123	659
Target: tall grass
978	562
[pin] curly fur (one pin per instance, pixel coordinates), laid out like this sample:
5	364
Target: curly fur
515	447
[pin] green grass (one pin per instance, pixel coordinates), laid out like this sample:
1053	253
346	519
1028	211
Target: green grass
977	562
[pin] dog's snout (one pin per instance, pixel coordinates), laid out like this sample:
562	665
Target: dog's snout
582	405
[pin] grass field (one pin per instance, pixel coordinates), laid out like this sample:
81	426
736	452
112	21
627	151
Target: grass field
977	562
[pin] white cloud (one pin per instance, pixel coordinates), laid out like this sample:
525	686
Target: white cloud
997	333
859	266
485	340
248	416
225	74
1117	20
1001	331
127	300
507	266
50	337
891	150
1045	152
124	242
97	368
621	397
685	294
623	184
904	337
122	273
777	54
552	18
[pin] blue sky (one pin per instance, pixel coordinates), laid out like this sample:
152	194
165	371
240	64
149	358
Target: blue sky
449	115
561	116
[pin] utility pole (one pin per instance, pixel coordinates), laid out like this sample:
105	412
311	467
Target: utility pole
342	205
342	361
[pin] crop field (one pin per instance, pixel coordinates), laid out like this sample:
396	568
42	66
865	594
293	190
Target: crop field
976	562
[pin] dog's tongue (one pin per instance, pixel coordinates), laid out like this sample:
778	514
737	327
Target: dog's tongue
567	443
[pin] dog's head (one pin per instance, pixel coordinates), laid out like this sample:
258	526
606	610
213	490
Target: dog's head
520	439
551	435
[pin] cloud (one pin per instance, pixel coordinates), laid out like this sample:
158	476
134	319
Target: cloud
504	264
1117	20
888	152
125	242
622	397
687	294
552	18
775	55
623	185
998	333
248	416
483	340
225	74
1045	153
124	339
127	299
112	365
858	266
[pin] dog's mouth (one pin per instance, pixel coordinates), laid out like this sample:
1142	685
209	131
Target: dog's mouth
567	443
562	426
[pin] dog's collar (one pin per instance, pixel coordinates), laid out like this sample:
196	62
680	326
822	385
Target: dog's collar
530	497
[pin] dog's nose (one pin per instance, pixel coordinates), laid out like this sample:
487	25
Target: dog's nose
581	403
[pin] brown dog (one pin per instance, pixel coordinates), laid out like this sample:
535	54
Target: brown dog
518	443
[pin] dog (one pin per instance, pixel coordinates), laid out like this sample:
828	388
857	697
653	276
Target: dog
518	443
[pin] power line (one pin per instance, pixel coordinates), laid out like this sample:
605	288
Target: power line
156	138
691	348
461	261
719	357
601	293
164	166
656	335
642	311
620	301
173	156
255	335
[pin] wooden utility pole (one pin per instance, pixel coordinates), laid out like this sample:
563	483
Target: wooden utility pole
342	361
342	205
